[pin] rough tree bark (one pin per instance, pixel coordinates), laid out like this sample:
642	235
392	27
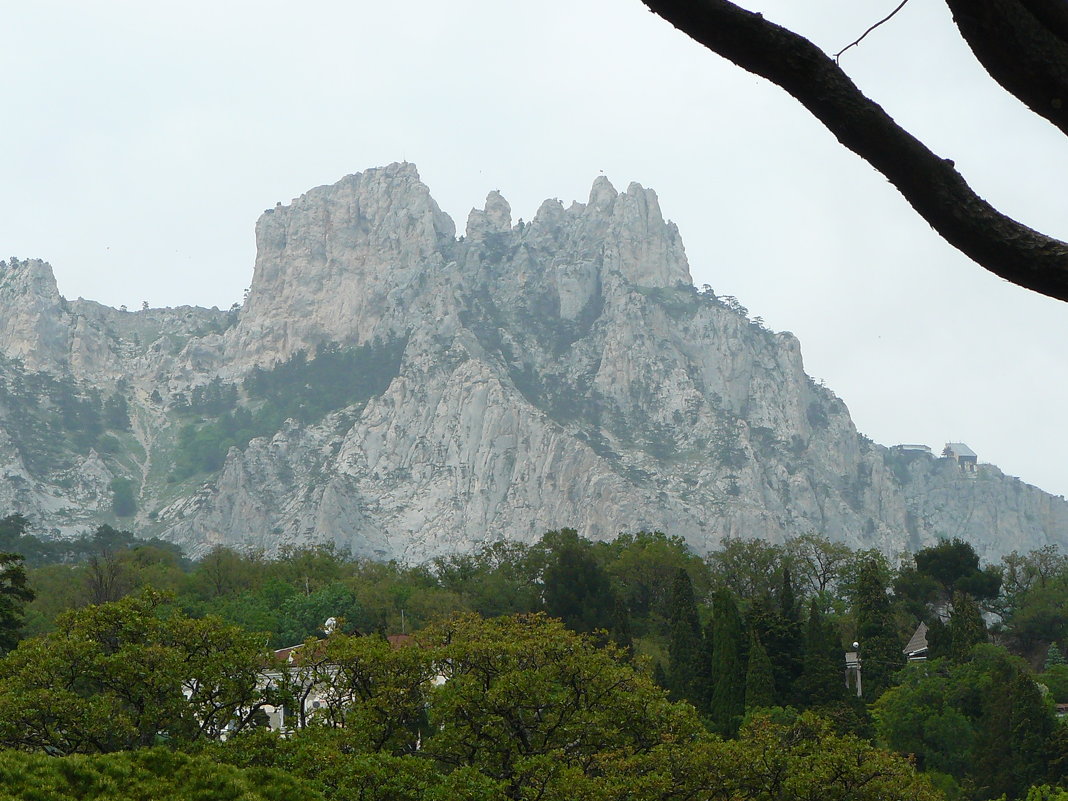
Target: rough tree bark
930	184
1023	45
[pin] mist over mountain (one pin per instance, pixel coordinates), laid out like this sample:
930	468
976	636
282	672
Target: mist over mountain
404	392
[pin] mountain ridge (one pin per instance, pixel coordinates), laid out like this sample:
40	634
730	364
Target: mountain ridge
561	372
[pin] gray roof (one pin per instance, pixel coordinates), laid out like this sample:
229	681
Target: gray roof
960	449
918	642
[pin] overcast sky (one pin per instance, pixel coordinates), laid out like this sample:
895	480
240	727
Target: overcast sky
140	141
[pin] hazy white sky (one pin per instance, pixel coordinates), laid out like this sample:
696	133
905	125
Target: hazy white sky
140	142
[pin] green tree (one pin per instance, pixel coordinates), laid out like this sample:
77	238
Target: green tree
728	669
820	682
798	760
14	595
820	565
876	631
577	588
301	616
1015	737
377	692
749	568
759	679
983	721
687	671
966	627
123	674
779	627
224	571
644	567
123	500
1055	679
788	643
531	704
329	761
1054	656
502	578
146	774
925	715
12	529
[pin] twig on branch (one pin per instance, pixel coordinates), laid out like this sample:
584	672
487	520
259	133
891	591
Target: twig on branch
887	18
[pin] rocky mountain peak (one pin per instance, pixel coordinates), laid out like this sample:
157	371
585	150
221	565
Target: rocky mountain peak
494	218
331	263
33	327
602	195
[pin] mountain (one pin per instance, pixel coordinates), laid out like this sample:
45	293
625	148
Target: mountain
404	392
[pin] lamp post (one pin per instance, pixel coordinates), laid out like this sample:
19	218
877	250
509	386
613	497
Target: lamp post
852	660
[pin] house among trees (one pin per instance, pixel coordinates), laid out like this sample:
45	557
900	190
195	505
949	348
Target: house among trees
916	650
964	456
309	680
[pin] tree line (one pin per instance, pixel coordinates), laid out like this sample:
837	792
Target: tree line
753	635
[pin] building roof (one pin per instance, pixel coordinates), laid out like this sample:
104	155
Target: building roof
960	449
918	644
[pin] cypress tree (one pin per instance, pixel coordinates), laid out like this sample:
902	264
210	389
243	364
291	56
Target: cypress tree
790	648
778	625
1032	727
1015	737
686	647
880	653
966	627
759	681
821	674
620	633
727	675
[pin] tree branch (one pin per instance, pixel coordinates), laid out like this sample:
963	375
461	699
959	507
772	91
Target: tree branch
861	38
1025	52
929	183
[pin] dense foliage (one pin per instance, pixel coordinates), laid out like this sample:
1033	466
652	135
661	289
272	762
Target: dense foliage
747	645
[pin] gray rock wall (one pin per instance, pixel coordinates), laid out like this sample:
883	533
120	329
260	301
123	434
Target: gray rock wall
563	372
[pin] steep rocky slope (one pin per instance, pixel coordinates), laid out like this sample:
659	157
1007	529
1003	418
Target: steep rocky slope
404	393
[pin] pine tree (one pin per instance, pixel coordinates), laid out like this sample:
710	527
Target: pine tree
728	673
759	681
686	648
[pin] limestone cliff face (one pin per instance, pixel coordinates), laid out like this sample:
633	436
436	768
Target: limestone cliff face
33	327
562	372
339	264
